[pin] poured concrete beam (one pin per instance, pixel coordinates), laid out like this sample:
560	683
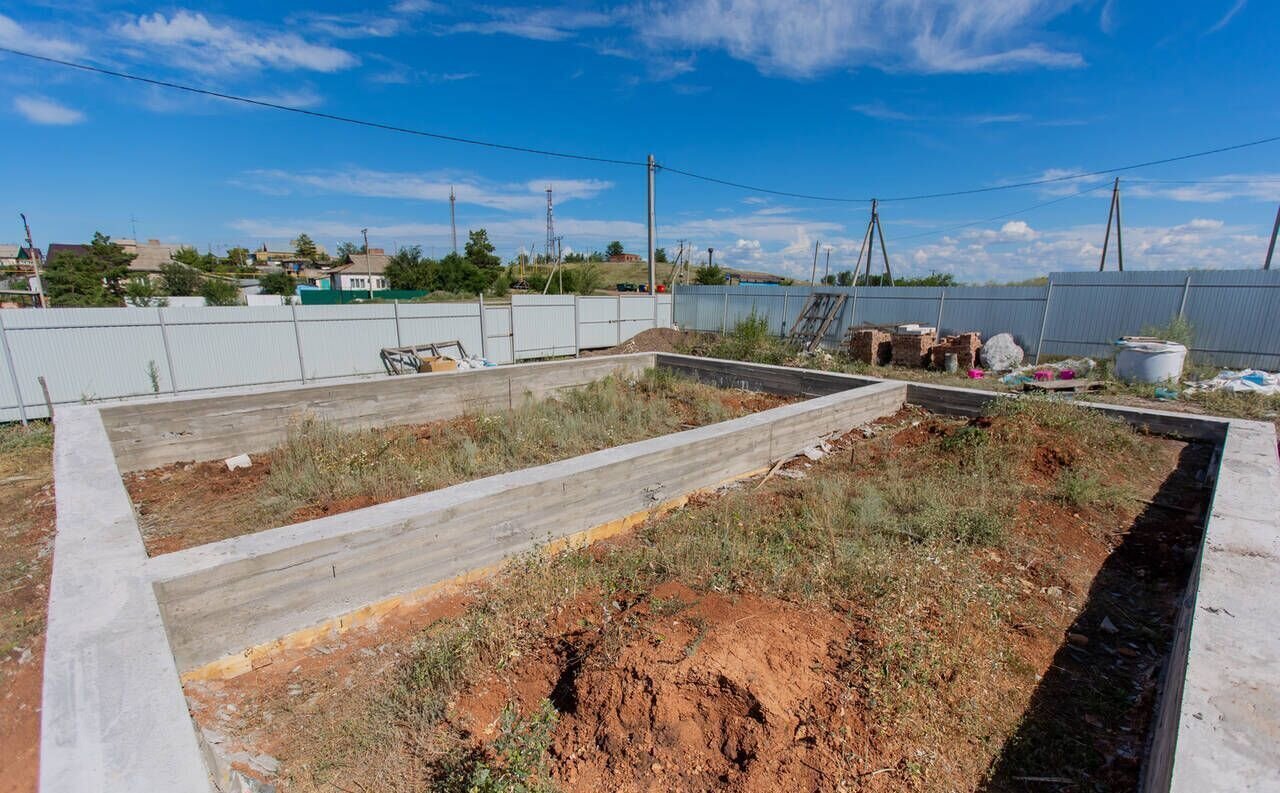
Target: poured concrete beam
113	716
223	598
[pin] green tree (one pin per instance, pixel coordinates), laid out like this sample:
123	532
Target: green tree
180	280
660	255
829	280
613	249
596	256
709	274
220	292
479	251
185	254
238	257
584	280
457	274
346	249
845	278
305	248
139	291
95	278
407	269
277	282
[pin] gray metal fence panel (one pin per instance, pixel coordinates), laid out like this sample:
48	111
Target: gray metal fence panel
543	326
424	323
231	346
338	341
635	315
1235	318
991	310
598	324
1089	311
497	329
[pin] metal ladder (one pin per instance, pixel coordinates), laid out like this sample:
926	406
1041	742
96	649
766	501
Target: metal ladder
819	311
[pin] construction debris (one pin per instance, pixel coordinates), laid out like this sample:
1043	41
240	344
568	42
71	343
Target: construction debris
239	461
1000	353
1248	381
870	346
912	344
964	346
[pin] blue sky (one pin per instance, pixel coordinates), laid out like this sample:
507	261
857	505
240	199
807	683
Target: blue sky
856	98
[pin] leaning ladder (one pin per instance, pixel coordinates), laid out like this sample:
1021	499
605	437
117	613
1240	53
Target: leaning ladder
819	311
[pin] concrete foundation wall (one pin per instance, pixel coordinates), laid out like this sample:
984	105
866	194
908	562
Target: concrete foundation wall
149	433
223	598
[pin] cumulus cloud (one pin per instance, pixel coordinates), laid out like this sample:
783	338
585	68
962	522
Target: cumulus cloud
189	39
39	110
929	36
18	37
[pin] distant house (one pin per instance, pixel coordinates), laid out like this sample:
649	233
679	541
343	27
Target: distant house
150	255
358	271
625	257
287	260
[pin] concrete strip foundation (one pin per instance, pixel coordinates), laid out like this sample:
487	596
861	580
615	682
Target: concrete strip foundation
122	626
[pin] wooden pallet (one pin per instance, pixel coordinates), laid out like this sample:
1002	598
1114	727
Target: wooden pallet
819	311
1061	386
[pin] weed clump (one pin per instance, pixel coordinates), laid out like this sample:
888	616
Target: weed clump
751	340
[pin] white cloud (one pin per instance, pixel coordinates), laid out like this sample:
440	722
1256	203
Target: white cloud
39	110
1226	18
190	40
1207	190
543	24
17	37
927	36
423	187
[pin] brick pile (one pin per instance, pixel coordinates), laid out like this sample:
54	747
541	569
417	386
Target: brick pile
870	346
965	346
911	349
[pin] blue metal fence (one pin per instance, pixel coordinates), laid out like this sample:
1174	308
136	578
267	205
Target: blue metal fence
1235	314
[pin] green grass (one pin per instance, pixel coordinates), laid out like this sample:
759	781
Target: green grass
322	462
16	438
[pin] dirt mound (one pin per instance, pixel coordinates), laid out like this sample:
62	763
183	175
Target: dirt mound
697	692
652	340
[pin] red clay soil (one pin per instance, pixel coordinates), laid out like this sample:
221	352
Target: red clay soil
691	690
652	340
26	528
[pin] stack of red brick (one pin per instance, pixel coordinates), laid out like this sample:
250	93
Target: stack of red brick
870	346
965	346
912	349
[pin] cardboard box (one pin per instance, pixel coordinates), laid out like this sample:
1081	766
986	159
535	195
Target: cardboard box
437	363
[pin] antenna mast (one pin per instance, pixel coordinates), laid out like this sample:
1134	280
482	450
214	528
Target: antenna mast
551	229
453	222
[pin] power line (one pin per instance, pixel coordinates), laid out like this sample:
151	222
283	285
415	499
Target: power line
316	114
619	161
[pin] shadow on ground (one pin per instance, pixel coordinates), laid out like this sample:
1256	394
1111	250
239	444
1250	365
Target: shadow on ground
1086	728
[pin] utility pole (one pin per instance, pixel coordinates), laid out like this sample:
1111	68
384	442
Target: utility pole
1113	211
874	229
653	274
813	274
453	220
35	260
1266	265
551	229
826	271
368	266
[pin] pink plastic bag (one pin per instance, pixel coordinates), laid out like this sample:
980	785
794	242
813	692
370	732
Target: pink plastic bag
975	374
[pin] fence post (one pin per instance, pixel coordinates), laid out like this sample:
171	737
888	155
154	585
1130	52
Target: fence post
577	329
617	326
297	338
168	356
942	297
1044	319
724	312
395	305
785	312
13	372
484	333
1186	287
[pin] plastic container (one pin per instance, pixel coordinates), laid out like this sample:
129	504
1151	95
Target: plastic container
975	374
1149	361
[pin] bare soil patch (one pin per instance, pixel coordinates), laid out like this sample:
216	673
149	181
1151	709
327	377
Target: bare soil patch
938	605
325	470
26	549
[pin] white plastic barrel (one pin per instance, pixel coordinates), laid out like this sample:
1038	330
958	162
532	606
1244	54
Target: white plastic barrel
1149	361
